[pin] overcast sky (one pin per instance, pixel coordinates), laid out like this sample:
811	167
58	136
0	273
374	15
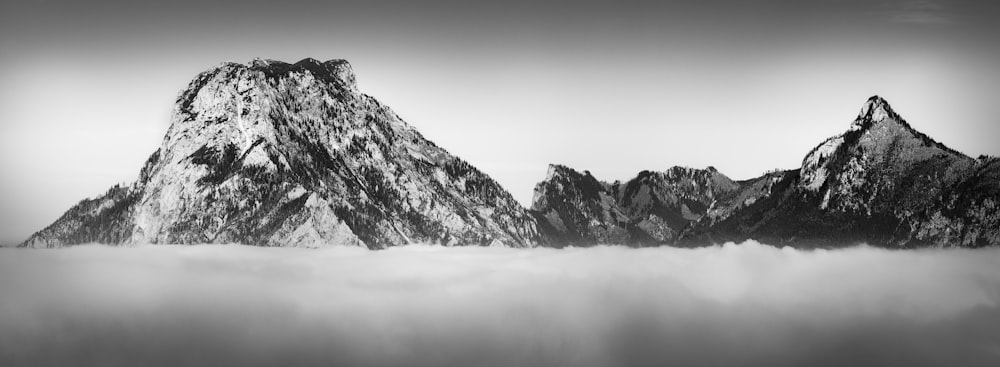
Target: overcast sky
86	87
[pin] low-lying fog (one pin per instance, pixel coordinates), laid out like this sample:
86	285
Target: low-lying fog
746	304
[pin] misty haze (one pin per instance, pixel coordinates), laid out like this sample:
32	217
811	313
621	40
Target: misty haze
746	304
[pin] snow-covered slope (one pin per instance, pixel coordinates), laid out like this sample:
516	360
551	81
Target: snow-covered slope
277	154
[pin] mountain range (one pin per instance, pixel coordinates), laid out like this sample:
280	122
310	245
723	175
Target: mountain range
880	182
275	154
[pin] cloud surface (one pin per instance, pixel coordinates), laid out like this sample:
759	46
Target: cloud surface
747	304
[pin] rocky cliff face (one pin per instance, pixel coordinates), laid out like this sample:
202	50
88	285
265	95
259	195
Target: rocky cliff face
881	182
277	154
575	208
652	208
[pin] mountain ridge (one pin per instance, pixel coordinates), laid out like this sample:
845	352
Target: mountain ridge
881	182
293	154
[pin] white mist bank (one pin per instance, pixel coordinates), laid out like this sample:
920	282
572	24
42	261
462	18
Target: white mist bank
746	304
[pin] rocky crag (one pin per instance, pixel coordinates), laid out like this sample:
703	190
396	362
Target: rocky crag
275	154
653	208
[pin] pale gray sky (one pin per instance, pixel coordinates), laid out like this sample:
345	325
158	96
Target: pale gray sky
613	87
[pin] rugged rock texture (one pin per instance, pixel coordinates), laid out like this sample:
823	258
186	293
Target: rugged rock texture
277	154
881	183
650	209
575	208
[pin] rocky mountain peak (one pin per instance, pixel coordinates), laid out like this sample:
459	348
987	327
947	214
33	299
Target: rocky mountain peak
876	125
875	155
879	182
559	177
558	170
277	154
652	208
876	109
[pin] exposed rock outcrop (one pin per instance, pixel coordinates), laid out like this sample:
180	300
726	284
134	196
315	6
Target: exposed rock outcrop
651	209
277	154
881	182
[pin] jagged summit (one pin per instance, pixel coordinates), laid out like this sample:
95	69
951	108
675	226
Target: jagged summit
338	71
678	171
652	208
875	109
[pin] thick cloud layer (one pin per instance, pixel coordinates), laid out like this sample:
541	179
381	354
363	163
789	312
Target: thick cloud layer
743	304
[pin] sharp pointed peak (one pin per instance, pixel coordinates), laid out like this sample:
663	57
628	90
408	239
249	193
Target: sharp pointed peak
874	110
876	99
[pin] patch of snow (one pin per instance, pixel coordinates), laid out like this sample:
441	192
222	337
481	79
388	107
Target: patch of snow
826	199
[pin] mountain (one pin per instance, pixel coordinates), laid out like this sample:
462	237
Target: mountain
881	182
276	154
653	208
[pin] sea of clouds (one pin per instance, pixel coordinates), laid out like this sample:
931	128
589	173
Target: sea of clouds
747	304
